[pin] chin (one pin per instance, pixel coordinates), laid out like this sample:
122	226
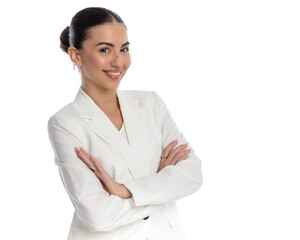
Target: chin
113	86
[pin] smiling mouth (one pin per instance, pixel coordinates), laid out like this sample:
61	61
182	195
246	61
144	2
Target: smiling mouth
114	74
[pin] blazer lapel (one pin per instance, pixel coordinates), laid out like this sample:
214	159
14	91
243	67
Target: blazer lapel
96	119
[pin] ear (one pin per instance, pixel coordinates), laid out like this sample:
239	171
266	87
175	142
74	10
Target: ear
74	55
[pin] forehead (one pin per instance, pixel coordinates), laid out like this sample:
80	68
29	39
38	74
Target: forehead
110	32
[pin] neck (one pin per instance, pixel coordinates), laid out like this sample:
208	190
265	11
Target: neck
106	99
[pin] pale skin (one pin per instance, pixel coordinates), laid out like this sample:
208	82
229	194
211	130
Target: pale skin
103	61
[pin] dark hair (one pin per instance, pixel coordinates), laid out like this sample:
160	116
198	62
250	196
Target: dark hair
82	22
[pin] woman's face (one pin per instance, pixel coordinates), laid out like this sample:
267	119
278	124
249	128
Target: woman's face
105	56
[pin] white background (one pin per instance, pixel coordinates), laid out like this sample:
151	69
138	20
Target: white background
229	73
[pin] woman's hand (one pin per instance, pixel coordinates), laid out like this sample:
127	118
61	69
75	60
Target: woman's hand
172	156
109	184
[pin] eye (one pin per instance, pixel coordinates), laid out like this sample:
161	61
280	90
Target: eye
126	49
104	50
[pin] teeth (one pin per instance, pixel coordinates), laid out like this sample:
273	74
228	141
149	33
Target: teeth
113	73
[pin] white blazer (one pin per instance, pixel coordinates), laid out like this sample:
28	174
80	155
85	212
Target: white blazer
151	213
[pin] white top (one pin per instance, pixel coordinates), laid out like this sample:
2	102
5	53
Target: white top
123	132
150	128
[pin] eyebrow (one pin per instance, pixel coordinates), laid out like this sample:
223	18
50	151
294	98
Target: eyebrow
110	44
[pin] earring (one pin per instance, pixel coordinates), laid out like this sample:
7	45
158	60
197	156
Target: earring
74	64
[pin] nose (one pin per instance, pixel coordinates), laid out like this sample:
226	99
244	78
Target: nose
117	61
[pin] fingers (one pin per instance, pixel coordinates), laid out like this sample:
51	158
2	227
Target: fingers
92	163
167	150
172	156
171	153
98	166
85	157
183	155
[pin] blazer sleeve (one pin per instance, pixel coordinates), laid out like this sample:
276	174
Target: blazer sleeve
98	210
172	182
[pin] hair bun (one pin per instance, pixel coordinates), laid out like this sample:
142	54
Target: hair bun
64	40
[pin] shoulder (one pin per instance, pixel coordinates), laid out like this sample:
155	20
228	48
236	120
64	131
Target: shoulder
144	97
65	124
64	116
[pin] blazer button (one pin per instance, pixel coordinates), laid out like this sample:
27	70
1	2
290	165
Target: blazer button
146	218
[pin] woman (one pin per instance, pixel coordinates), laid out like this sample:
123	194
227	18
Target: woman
120	156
